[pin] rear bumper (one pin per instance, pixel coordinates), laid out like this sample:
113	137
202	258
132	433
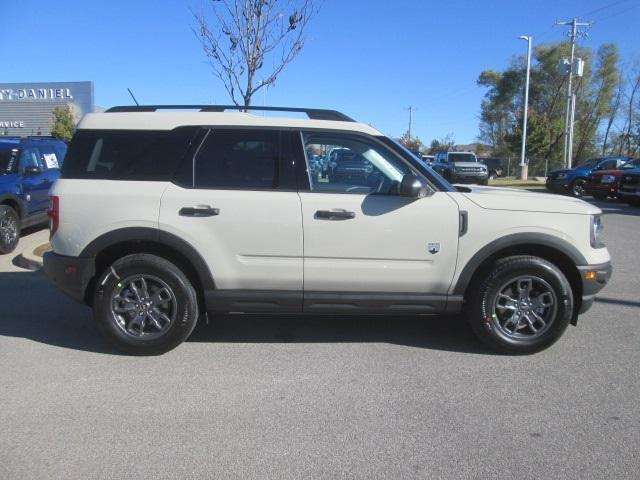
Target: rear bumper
628	193
592	285
69	274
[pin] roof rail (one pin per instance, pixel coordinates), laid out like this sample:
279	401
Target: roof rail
312	113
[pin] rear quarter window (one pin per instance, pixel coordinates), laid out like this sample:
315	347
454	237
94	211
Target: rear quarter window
126	154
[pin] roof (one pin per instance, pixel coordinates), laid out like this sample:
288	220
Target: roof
169	120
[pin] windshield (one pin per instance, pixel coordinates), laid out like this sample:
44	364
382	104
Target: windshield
631	164
588	163
7	159
422	167
462	157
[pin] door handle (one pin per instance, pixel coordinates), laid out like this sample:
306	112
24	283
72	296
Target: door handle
334	215
199	211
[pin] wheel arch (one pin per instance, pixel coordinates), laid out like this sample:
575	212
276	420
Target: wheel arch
107	248
12	202
557	251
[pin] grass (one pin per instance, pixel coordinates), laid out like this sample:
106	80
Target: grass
513	182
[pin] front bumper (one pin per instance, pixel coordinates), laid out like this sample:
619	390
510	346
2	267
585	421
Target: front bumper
602	188
594	278
469	177
558	185
69	274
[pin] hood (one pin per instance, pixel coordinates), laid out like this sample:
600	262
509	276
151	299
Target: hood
497	198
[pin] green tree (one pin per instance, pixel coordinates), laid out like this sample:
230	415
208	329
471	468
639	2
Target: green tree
412	143
502	107
64	124
444	144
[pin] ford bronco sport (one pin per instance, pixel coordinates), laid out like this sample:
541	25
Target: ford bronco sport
162	217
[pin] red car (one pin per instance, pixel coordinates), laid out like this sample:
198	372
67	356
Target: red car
604	183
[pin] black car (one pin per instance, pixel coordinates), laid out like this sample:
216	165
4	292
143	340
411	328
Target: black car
494	165
629	189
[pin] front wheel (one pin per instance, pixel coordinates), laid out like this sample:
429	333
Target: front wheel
577	187
523	306
599	196
9	229
145	305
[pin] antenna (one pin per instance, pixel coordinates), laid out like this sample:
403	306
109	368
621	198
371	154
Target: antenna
133	96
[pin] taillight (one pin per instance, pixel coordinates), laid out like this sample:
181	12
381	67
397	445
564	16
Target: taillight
54	214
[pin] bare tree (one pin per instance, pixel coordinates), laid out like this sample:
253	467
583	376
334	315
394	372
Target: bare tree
244	36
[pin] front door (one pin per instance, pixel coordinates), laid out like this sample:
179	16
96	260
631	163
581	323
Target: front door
363	243
35	186
242	213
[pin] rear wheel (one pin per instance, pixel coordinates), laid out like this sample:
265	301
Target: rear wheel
599	196
523	306
9	229
634	202
145	305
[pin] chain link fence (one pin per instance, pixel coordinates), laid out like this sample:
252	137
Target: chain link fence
538	167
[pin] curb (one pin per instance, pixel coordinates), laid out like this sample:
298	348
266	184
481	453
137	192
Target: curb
28	258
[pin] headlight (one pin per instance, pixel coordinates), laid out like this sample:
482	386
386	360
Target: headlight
595	231
561	175
607	179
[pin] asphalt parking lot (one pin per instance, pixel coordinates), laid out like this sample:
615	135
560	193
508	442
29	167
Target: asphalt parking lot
269	397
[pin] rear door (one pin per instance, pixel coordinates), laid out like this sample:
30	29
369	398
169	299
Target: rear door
364	245
240	209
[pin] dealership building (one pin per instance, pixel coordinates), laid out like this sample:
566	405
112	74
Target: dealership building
27	108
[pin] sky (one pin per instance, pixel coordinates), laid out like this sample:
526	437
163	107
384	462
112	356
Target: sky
369	59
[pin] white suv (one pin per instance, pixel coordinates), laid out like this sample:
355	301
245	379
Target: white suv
162	217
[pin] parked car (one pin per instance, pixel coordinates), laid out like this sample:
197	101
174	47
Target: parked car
494	165
160	218
461	167
428	159
629	190
28	168
572	181
605	183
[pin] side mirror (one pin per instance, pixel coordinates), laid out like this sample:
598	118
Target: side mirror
412	186
32	171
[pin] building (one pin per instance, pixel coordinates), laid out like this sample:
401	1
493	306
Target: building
27	108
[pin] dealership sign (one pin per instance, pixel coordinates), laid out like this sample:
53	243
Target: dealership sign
11	94
11	124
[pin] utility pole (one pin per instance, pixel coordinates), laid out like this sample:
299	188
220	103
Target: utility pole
524	168
410	121
568	123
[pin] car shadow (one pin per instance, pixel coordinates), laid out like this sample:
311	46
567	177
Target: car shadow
33	309
451	333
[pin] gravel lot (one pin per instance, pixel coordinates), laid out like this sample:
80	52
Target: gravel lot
271	397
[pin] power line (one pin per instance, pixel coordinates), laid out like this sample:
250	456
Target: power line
619	13
604	7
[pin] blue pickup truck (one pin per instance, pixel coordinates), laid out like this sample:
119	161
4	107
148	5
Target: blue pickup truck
28	168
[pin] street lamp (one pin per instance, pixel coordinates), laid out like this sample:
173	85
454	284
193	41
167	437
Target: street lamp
523	165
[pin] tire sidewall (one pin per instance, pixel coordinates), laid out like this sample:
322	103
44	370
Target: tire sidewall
5	211
186	304
484	325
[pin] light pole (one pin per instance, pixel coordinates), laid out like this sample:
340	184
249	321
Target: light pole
524	168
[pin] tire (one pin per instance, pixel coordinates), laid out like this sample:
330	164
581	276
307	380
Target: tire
549	296
599	196
484	182
140	327
577	187
9	229
634	202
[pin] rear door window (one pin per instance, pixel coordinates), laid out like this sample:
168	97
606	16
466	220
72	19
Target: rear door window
126	154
